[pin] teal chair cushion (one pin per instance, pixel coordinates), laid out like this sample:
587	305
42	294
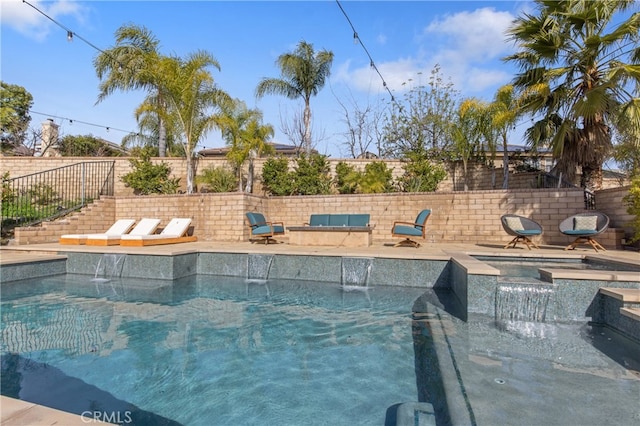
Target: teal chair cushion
266	230
529	232
319	220
422	217
339	220
580	232
358	219
407	230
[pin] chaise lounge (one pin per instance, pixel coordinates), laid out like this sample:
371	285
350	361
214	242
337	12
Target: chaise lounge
175	232
146	226
120	227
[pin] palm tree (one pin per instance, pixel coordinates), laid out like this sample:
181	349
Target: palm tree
468	132
131	65
304	73
190	101
245	135
580	73
505	113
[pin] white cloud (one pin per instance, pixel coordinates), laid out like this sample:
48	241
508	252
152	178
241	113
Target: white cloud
468	46
28	21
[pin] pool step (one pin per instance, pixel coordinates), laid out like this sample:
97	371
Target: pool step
620	309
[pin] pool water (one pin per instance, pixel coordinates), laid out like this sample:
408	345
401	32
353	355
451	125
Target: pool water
528	268
209	350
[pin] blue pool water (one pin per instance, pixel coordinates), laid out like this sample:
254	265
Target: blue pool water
209	350
217	351
524	267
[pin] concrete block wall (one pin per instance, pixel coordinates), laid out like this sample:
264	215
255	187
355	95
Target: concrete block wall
464	217
609	202
97	217
479	177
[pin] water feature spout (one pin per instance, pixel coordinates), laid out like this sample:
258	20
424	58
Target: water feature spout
108	267
356	271
523	301
258	266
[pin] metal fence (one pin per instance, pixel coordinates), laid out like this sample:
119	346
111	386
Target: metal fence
546	180
31	199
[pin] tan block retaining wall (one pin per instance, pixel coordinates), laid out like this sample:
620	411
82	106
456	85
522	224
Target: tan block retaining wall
480	178
466	217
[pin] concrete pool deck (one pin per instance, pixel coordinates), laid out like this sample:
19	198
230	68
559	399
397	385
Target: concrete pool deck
14	411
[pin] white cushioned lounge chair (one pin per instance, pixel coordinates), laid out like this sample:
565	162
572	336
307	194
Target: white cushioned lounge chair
175	232
120	227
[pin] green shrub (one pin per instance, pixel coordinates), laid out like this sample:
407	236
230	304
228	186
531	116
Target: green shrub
276	177
633	207
311	175
377	178
218	179
421	175
346	178
148	178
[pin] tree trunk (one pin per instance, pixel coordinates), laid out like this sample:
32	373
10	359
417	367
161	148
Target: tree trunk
307	128
505	163
190	173
162	138
249	188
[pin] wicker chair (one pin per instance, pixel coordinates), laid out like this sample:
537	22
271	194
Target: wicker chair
521	229
584	227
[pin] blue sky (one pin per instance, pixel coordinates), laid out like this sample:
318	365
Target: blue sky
405	40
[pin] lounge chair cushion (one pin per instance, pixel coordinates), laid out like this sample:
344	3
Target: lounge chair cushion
585	223
408	230
358	220
266	230
514	223
319	220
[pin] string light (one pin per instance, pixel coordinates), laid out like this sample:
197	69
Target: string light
71	34
71	121
358	40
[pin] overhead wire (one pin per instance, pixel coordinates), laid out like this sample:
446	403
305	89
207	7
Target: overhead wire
357	39
70	36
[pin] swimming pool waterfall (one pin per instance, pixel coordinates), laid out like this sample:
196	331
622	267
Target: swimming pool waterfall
356	271
522	301
258	266
109	266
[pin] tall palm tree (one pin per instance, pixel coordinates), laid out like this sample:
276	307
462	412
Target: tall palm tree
468	132
580	73
246	136
303	73
505	113
191	100
131	65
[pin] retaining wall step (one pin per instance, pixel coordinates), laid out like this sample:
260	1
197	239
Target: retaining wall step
626	295
633	313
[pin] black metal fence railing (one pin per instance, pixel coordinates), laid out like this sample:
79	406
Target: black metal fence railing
31	199
546	180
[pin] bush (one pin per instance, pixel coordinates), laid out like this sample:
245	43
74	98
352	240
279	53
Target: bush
276	178
633	207
311	175
218	179
148	178
377	178
346	179
421	175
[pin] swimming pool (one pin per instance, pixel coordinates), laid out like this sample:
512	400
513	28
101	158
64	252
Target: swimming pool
473	368
209	350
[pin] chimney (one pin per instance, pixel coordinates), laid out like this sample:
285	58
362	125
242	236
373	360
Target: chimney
49	139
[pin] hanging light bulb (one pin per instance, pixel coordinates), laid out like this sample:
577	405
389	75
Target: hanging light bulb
107	130
70	122
355	38
69	36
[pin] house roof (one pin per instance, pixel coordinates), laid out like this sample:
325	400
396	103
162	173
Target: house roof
288	150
